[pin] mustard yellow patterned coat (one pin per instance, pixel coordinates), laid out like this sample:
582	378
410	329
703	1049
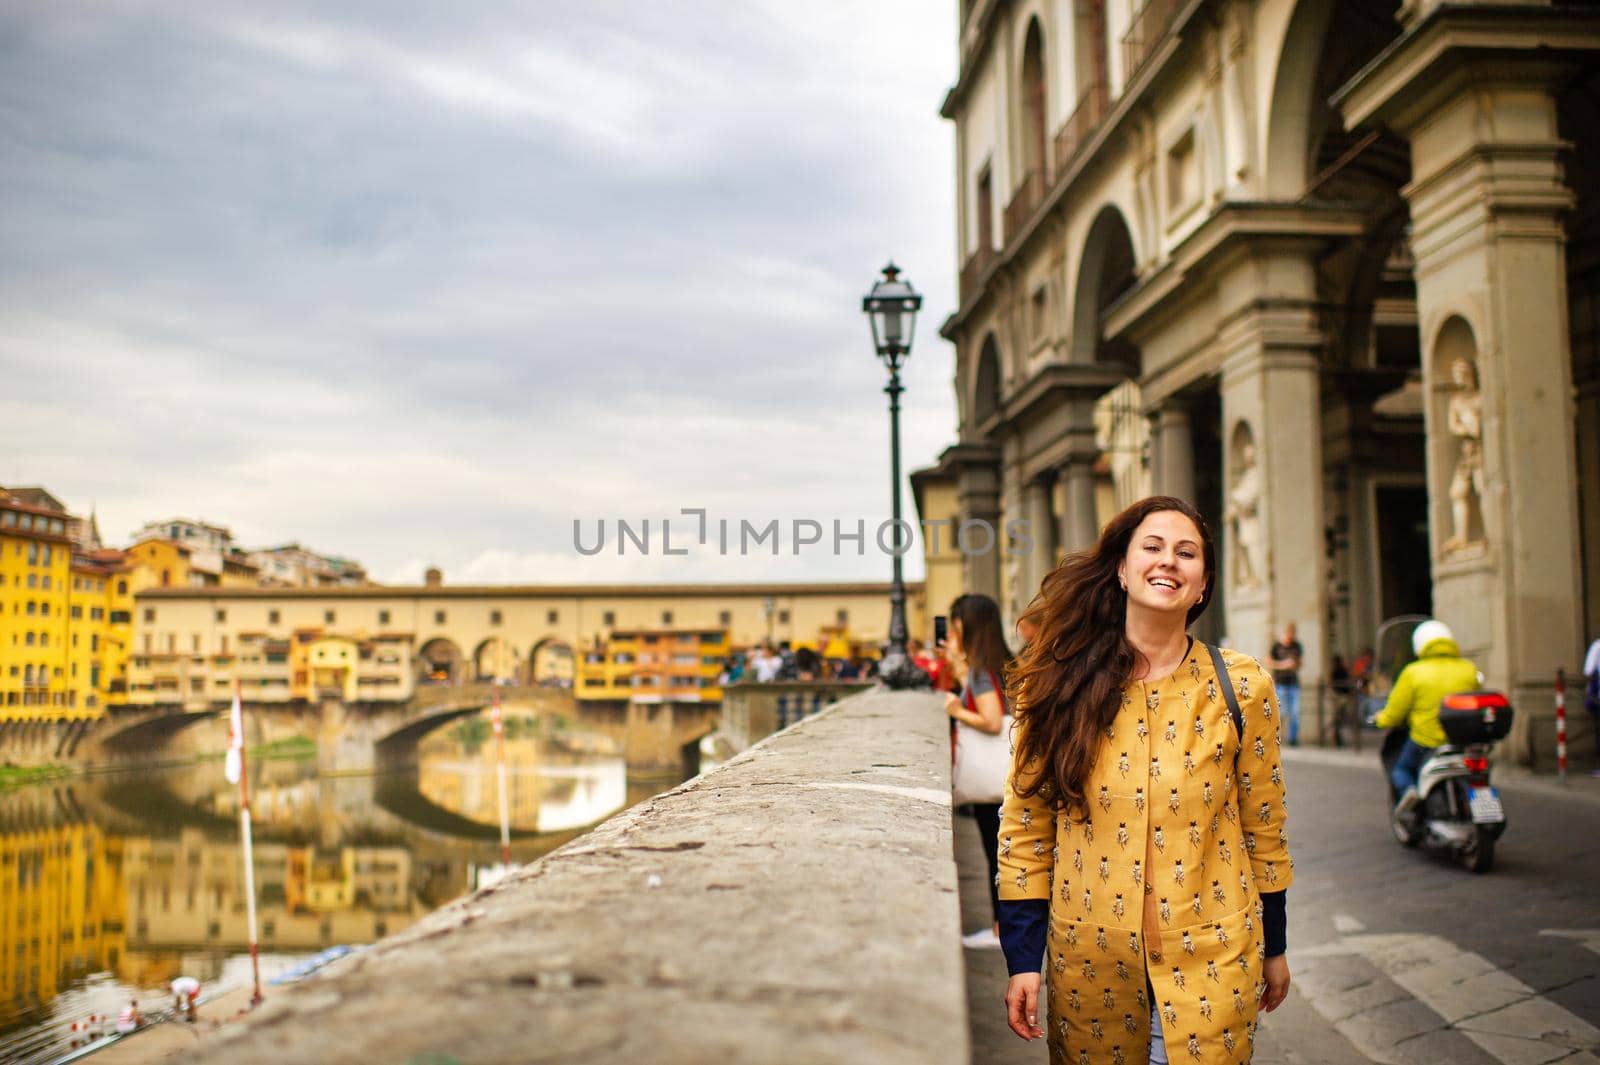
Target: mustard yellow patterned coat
1185	830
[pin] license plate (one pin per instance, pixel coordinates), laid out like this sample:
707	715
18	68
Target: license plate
1485	806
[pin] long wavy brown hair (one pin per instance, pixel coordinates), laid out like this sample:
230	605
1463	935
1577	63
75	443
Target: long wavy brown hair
1065	687
983	635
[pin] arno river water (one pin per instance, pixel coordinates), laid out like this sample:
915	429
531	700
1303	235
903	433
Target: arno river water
112	885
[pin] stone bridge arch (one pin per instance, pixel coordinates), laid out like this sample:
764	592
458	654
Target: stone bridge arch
130	733
440	661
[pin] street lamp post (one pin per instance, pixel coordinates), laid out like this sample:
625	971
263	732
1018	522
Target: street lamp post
892	307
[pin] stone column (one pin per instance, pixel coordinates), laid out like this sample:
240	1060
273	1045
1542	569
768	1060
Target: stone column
1272	536
1080	525
979	535
1174	451
1487	203
1041	530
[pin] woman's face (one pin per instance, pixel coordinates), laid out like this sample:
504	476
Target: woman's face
1164	569
953	639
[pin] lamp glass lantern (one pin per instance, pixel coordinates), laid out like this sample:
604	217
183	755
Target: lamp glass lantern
892	308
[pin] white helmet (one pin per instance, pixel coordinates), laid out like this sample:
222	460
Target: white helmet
1427	632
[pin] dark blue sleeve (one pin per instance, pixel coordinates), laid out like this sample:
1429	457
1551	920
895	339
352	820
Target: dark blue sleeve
1023	927
1274	921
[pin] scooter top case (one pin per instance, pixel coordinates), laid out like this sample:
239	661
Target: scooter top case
1470	718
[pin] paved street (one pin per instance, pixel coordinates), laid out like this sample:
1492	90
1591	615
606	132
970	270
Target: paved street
1398	956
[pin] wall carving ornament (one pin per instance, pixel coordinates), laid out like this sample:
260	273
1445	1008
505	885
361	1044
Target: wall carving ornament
1464	423
1243	513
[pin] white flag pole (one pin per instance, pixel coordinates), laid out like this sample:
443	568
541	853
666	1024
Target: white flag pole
236	762
500	757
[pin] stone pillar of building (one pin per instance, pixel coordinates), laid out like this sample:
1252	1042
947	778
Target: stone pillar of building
1272	536
1487	202
1080	525
1173	445
979	535
1041	554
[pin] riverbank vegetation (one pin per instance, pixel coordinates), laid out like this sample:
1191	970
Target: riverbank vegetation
21	776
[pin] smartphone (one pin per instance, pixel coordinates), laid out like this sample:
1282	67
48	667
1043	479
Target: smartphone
941	629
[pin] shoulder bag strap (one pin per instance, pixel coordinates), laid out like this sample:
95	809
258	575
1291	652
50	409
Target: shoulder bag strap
994	678
1227	693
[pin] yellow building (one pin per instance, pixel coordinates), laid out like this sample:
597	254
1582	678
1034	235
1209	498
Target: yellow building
35	576
606	669
61	909
100	626
661	665
936	491
332	663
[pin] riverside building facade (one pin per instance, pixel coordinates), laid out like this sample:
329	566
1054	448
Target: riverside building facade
1328	269
379	643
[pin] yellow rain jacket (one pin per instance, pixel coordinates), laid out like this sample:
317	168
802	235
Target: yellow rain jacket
1422	686
1185	829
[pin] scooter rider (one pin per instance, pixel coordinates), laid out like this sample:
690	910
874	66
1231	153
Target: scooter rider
1439	670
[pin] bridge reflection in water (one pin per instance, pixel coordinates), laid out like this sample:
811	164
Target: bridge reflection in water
112	885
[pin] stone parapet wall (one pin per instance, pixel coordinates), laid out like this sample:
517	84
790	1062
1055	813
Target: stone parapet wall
796	905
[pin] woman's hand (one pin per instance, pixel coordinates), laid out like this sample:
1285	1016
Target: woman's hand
1022	1005
1275	971
952	703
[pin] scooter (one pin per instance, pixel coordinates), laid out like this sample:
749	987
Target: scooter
1458	811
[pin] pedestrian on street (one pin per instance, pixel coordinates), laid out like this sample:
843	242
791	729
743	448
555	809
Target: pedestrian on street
1143	852
186	997
978	657
1343	685
1285	659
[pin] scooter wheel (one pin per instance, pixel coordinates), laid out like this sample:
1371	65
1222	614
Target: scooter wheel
1479	855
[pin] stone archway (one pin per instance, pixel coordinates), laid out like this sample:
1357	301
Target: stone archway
494	661
551	662
1578	124
439	661
1312	65
1106	270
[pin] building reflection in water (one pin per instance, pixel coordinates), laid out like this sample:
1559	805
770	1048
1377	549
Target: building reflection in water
110	887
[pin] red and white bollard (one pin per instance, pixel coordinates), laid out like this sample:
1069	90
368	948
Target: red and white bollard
1561	724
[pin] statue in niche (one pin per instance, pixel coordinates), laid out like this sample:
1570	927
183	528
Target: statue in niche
1123	435
1464	421
1244	514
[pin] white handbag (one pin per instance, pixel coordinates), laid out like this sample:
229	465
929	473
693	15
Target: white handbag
982	760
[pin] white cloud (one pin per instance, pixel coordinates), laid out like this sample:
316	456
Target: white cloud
415	288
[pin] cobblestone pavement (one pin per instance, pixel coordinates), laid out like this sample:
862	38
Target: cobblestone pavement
1397	956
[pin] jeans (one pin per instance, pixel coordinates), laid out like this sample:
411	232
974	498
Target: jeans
1404	773
1289	703
987	814
1158	1042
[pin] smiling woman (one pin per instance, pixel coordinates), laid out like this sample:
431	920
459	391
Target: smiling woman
1149	762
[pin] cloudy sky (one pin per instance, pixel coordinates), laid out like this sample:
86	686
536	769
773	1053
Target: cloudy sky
421	283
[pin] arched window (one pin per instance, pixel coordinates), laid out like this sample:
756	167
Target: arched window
986	386
1035	102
